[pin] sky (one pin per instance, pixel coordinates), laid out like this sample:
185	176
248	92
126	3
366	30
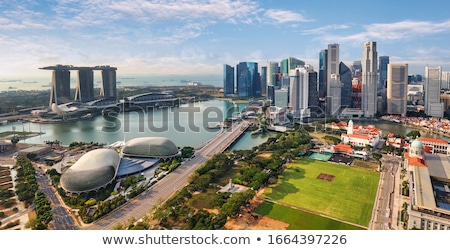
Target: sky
188	37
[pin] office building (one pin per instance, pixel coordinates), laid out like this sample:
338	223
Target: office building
369	79
345	75
334	85
299	91
228	80
248	80
323	73
272	70
432	99
383	68
289	64
84	91
397	88
264	80
271	95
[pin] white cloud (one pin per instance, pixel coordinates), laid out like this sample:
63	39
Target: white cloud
284	16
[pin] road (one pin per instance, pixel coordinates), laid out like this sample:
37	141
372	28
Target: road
164	188
62	219
384	204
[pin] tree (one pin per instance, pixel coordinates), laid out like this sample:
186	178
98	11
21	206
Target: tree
413	134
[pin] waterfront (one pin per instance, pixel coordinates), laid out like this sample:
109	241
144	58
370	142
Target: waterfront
184	125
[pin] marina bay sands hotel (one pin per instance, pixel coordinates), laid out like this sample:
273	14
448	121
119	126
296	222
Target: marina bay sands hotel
84	92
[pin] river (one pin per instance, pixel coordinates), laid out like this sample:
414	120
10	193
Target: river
184	125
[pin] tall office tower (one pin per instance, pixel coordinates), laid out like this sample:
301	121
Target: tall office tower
298	93
383	61
271	95
397	88
289	64
345	75
248	80
433	105
228	80
60	92
445	84
323	73
313	94
264	80
281	97
108	89
84	91
333	96
272	70
369	79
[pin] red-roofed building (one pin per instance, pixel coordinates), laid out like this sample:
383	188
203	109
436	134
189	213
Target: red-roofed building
439	146
361	135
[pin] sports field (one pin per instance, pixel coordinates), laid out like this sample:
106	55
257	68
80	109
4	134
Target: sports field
347	193
300	220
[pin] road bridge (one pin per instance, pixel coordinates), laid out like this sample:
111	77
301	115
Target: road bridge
166	187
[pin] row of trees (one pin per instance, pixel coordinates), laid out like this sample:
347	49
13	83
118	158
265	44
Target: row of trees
26	186
43	213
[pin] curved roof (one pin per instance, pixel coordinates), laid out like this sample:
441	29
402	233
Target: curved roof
150	147
93	170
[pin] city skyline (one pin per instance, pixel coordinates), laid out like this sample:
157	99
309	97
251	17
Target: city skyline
198	37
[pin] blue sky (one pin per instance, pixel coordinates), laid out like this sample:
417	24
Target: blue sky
197	37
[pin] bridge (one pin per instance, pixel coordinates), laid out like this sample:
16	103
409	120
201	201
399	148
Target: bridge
166	187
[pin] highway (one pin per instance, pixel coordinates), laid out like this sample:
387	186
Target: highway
164	188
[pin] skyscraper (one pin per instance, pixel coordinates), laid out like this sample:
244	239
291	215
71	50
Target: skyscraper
303	92
433	105
84	91
369	79
108	89
264	80
289	64
397	88
228	80
323	73
272	70
334	85
345	75
248	80
384	61
60	92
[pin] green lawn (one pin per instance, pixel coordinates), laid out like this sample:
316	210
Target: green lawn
349	197
300	220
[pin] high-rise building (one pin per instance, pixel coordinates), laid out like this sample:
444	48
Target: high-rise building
271	95
272	70
334	85
345	75
299	91
248	80
432	99
397	88
369	79
445	84
108	89
323	73
264	80
84	91
60	91
383	67
289	64
228	80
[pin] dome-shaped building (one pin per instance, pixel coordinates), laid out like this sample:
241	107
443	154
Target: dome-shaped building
94	170
152	147
416	149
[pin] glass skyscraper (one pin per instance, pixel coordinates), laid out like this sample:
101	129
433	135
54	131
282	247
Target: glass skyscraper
228	80
248	80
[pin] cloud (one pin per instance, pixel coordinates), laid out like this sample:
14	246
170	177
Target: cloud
324	29
284	16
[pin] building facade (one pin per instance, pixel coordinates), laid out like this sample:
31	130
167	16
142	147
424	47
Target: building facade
432	99
248	81
397	88
369	79
228	80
